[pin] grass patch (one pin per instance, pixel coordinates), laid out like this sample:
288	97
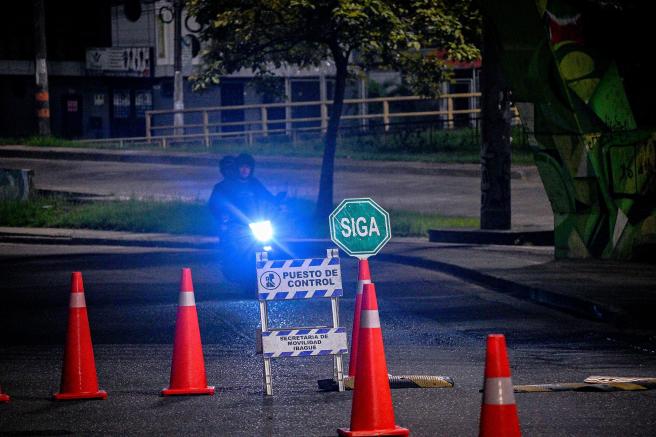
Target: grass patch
42	141
413	224
424	145
177	217
174	217
413	143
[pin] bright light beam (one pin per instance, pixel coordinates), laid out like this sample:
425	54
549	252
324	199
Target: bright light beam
263	231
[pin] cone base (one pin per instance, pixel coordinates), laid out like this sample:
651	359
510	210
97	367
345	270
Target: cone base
187	391
100	394
4	397
397	430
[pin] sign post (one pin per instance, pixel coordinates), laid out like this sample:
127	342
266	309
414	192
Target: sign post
313	278
360	227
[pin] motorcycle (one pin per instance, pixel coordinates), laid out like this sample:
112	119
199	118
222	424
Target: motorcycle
241	238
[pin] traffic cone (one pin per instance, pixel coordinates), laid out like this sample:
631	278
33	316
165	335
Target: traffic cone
79	379
188	365
372	413
498	411
4	397
364	277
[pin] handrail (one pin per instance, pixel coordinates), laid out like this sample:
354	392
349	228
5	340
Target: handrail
259	123
311	103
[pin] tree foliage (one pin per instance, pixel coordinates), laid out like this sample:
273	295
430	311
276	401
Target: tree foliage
262	35
266	34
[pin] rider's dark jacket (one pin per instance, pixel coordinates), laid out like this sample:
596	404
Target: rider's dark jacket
238	200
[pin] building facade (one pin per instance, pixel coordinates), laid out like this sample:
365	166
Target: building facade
111	61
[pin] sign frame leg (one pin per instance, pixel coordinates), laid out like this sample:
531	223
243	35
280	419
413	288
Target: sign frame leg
338	360
268	379
339	371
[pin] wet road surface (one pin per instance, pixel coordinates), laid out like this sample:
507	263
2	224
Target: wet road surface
432	324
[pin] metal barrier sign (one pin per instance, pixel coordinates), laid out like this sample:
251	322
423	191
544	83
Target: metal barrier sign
304	342
315	278
299	278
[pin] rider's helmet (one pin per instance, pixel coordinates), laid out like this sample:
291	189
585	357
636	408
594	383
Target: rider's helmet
245	159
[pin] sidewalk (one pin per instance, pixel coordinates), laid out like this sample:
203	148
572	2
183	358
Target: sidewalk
620	293
623	294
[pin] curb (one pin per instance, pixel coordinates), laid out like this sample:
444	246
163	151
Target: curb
504	238
208	160
81	241
568	304
95	155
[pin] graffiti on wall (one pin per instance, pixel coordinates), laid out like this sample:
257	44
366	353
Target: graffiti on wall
598	167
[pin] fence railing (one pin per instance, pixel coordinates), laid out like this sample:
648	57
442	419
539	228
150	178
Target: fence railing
253	121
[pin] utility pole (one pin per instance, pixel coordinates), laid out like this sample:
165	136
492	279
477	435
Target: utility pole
178	93
495	145
41	96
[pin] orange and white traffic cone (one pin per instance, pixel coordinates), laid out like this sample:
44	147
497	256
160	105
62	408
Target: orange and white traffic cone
188	365
4	397
79	379
498	412
372	412
364	277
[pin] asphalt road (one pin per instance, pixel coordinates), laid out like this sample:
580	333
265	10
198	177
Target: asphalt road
432	324
421	189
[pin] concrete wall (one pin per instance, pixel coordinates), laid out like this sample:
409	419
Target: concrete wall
126	33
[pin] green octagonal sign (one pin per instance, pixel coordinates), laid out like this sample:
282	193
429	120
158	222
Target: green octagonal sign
360	227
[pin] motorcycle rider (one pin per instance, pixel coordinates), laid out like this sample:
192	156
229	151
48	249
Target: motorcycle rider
240	196
239	199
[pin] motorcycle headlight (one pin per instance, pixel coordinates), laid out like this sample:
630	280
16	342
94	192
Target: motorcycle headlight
262	231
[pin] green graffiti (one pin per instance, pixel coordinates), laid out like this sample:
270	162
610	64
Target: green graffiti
597	165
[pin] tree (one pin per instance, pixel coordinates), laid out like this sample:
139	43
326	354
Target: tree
495	136
266	34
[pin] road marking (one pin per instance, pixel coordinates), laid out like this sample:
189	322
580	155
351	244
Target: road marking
582	387
611	379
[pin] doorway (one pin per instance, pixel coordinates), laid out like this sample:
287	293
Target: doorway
72	116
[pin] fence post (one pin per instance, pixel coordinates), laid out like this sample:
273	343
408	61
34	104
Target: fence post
288	108
386	117
206	130
265	121
363	105
449	112
148	124
323	96
324	117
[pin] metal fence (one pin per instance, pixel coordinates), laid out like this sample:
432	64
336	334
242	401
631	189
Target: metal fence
299	120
